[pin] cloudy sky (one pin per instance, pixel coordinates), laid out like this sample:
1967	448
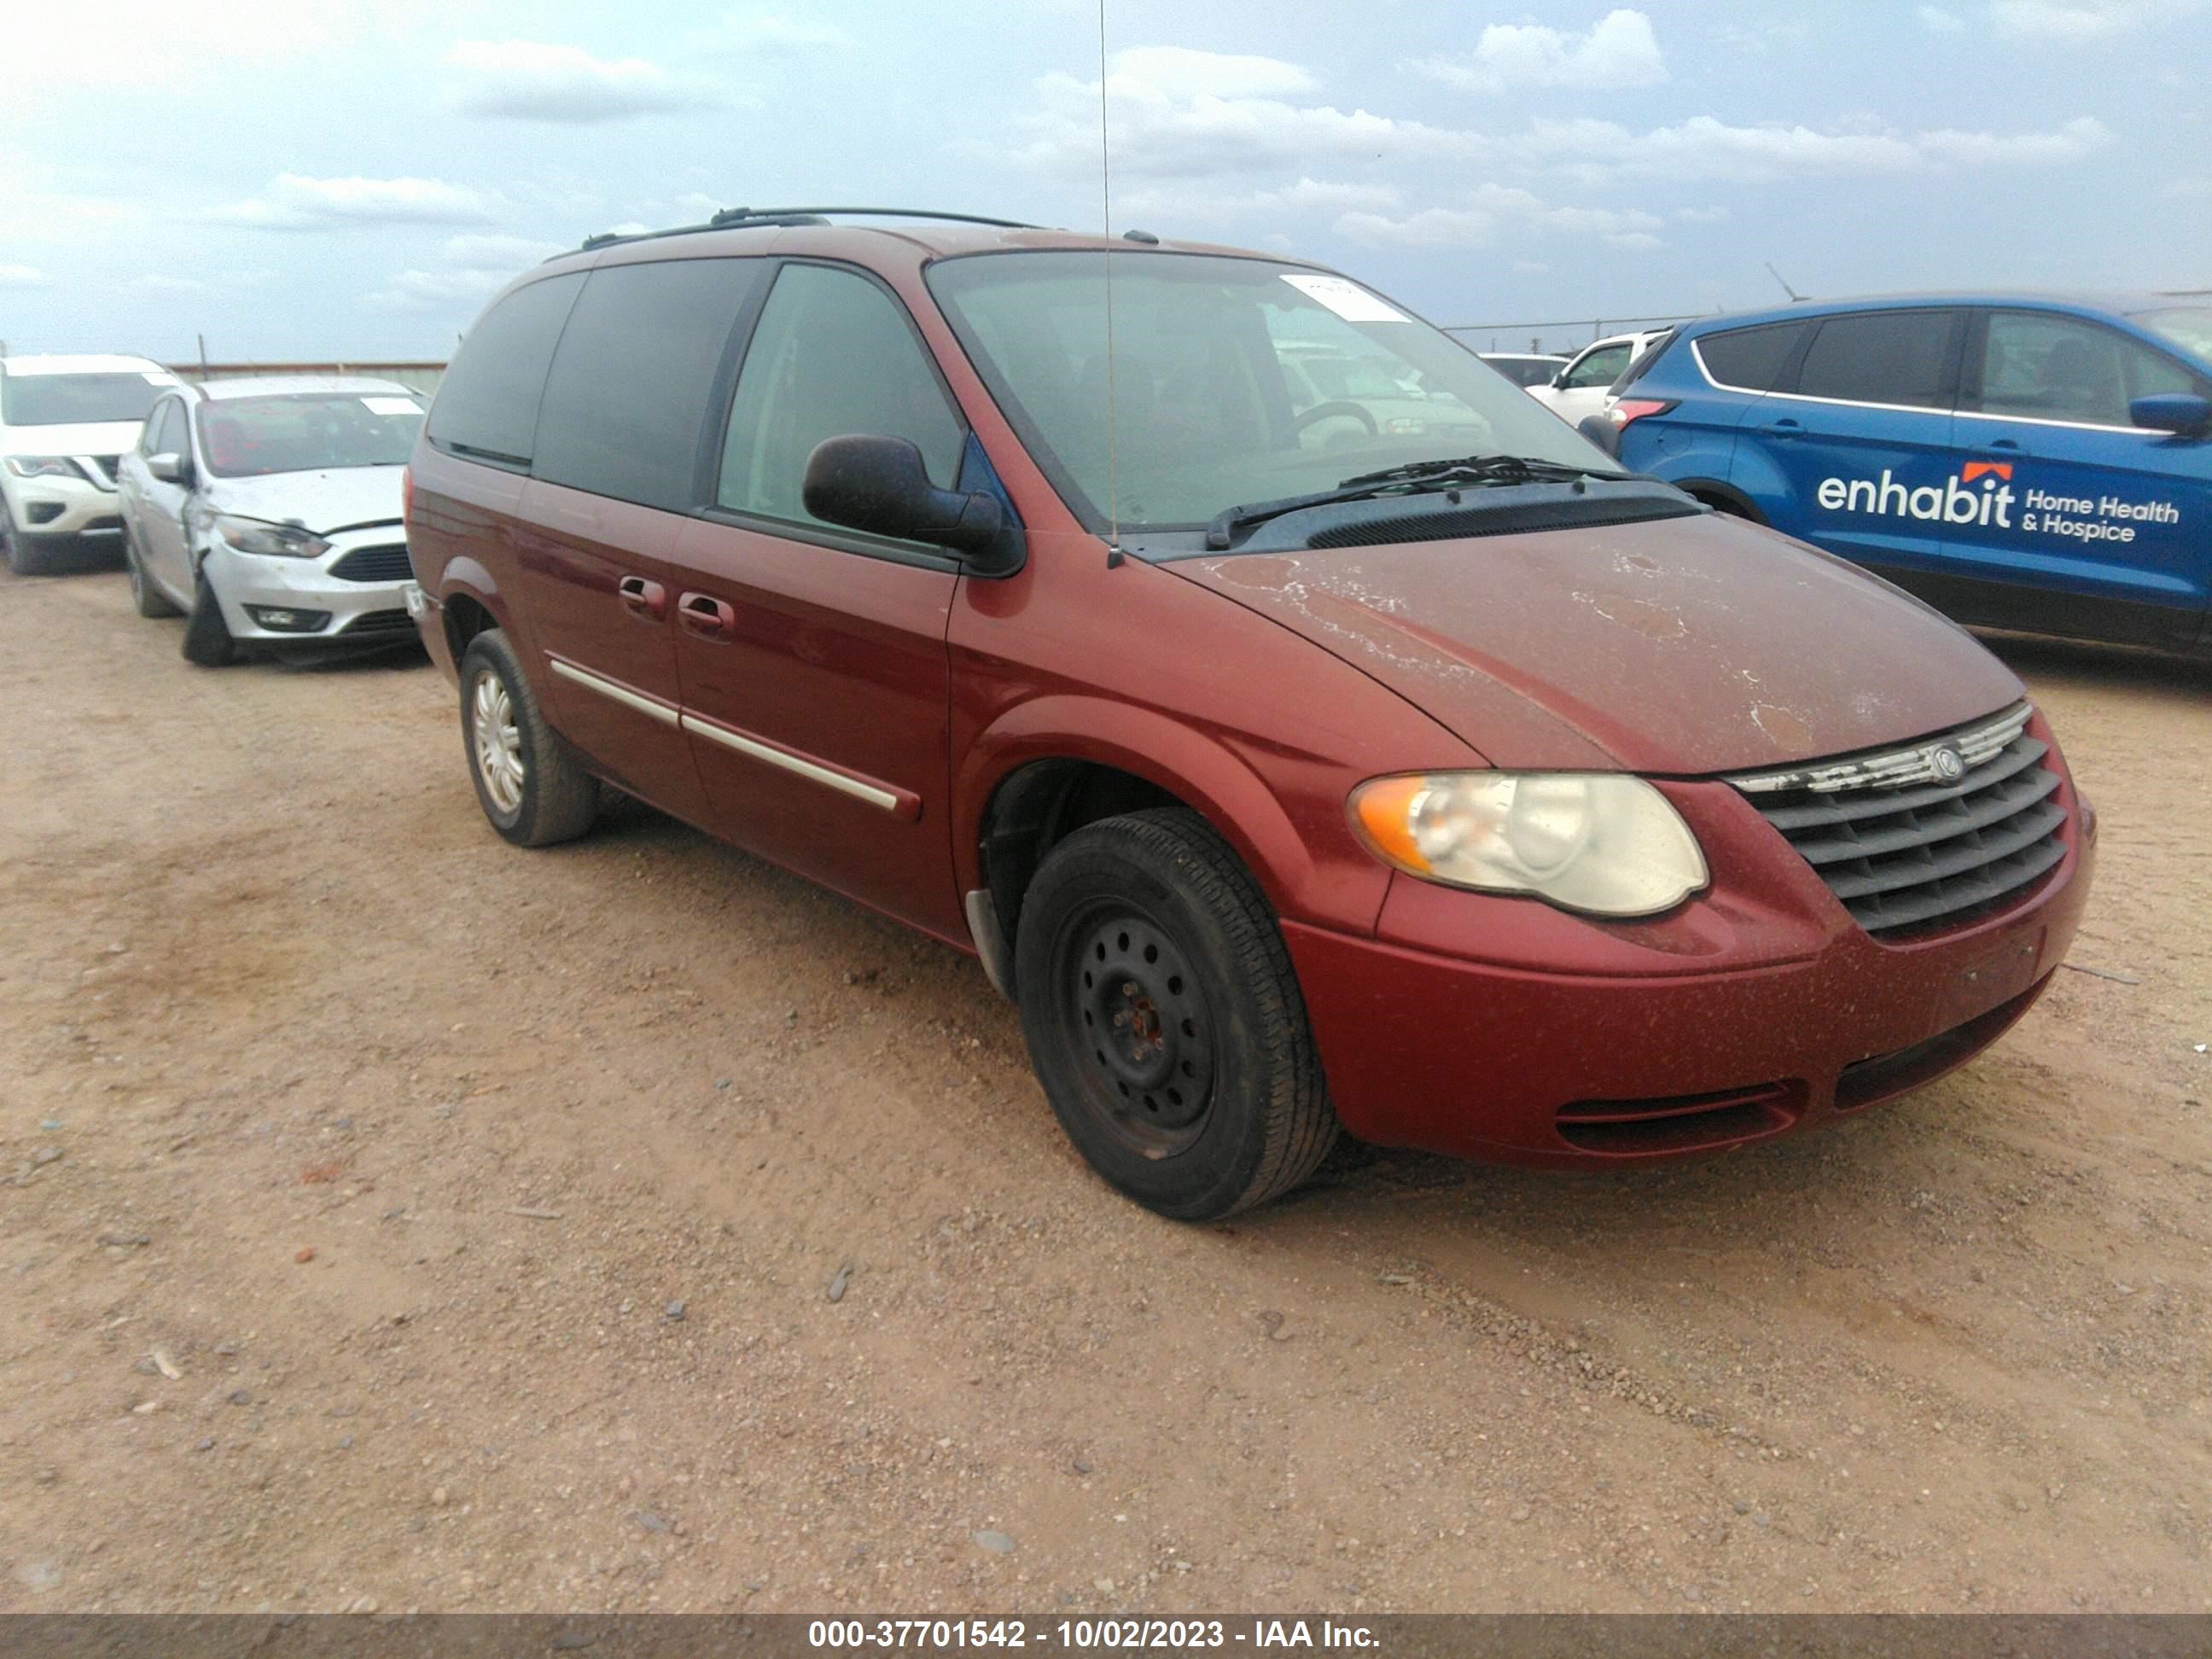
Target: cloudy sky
349	179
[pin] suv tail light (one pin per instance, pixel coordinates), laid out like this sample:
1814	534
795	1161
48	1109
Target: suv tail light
1626	410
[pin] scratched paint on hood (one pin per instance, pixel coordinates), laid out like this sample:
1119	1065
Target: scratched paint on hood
1683	646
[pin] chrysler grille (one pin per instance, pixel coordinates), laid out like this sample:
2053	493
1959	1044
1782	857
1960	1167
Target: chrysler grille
1940	831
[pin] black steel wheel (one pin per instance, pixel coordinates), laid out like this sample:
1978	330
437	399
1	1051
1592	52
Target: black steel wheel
1163	1018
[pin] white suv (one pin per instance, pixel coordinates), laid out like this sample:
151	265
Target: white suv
64	422
1580	388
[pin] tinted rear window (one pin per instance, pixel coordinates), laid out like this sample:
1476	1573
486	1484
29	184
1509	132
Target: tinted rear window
1751	359
633	381
486	404
1881	357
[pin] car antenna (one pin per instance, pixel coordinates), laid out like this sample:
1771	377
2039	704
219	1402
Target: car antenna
1106	228
1796	298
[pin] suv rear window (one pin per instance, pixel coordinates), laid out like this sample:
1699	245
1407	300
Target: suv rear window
487	406
634	378
1750	359
1881	357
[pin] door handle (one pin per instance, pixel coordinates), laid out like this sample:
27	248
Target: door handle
708	617
1786	428
640	598
2004	443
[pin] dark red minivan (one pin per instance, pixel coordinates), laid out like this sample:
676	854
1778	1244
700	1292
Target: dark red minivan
1304	727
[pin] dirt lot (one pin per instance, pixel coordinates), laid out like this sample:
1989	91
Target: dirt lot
485	1205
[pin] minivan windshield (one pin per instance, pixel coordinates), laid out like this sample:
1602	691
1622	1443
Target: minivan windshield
2189	327
77	399
307	432
1231	380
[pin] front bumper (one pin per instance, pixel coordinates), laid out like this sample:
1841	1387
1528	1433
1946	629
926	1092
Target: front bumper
252	588
1498	1028
50	506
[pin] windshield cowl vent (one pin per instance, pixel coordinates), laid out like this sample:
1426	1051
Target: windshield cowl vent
1491	517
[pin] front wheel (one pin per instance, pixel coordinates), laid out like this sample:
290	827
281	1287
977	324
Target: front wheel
527	782
145	598
207	641
1164	1020
22	559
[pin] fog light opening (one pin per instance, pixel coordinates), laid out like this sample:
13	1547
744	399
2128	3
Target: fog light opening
277	619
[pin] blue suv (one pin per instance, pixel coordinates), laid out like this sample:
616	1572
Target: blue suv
2037	464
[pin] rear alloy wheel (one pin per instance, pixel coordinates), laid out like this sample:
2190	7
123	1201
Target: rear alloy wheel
528	782
146	598
1164	1020
207	640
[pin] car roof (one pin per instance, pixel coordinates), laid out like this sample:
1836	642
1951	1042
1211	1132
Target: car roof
79	364
2121	302
1521	356
277	385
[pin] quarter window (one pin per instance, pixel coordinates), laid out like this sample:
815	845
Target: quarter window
487	406
634	378
1881	357
2050	367
833	356
1751	359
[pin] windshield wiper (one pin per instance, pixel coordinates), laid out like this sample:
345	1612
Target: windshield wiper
1480	471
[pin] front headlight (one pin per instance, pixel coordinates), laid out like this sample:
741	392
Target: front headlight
1596	841
282	541
43	466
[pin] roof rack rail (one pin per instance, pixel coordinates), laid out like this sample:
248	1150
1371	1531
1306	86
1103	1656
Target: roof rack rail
759	218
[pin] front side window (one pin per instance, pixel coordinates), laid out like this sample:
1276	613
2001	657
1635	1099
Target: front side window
633	380
1600	367
2045	366
78	399
2189	327
1881	357
150	437
307	432
832	356
488	398
1231	380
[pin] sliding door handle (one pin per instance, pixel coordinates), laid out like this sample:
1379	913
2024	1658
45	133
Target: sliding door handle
708	617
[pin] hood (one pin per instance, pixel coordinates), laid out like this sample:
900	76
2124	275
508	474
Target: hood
89	438
1683	646
324	502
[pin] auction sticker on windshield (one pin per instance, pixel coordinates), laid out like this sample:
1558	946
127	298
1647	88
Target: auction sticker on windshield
1347	300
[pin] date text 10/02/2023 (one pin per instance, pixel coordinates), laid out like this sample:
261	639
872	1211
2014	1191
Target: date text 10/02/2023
1089	1634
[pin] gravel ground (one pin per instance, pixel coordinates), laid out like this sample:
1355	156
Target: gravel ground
396	1219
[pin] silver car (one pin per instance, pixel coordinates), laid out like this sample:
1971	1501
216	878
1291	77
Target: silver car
268	510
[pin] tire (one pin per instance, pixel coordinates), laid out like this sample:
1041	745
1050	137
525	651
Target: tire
146	598
1147	930
538	794
23	560
207	641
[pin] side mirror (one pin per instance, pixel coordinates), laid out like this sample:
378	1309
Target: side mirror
171	468
2181	413
880	485
1599	430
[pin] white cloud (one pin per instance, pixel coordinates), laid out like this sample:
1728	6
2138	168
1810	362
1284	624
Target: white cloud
439	290
161	282
1619	50
294	201
766	34
1701	216
1705	148
1937	20
1492	209
2079	20
510	253
1307	196
22	276
539	81
1175	113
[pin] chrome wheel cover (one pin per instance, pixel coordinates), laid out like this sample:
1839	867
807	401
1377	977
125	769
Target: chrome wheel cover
498	742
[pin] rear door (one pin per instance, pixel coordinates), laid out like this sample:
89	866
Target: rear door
616	471
1856	438
812	658
2093	525
1583	385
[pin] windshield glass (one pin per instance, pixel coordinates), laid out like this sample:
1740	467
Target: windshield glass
305	432
2189	327
1233	381
77	399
